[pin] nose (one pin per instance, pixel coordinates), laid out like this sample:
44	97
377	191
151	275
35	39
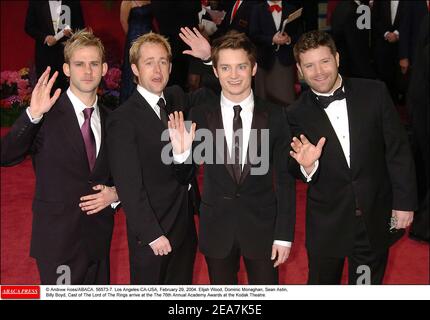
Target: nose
88	68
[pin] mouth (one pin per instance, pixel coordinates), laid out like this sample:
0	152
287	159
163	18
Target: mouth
235	83
157	80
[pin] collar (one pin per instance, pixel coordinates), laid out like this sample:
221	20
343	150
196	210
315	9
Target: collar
247	104
150	97
78	105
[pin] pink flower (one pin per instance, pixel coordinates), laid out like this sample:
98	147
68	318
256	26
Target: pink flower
113	78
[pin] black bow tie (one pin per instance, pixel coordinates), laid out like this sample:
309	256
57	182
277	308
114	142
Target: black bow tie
325	101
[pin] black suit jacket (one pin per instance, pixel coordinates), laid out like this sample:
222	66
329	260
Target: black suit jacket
352	43
241	20
38	25
154	202
381	176
260	208
57	148
262	30
415	11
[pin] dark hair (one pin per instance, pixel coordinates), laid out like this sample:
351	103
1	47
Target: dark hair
233	40
313	40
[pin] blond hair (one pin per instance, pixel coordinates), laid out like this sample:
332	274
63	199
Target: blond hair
83	38
148	38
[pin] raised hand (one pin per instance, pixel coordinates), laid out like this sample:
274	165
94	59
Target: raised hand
200	47
304	152
41	101
179	136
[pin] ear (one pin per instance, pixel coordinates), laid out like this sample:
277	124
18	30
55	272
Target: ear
105	68
337	59
135	70
254	69
170	68
215	72
299	69
66	69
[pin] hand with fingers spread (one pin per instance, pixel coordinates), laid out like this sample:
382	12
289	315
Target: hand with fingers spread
179	136
94	203
280	253
403	218
200	47
161	246
305	153
41	101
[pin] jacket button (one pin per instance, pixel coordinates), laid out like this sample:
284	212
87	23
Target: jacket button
90	181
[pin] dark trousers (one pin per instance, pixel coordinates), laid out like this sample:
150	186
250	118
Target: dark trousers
176	268
328	270
224	271
83	271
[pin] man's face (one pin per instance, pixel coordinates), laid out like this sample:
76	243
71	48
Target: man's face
235	73
85	70
153	67
319	68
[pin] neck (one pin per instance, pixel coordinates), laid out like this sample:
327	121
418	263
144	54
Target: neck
337	84
236	98
87	98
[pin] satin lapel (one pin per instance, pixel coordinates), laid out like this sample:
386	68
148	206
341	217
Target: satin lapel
269	17
71	127
321	127
260	119
214	120
354	116
103	115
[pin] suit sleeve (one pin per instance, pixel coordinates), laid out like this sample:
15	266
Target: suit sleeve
19	142
398	156
127	175
285	185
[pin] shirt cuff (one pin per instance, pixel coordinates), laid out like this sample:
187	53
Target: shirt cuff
115	204
309	176
283	243
385	34
35	120
181	158
151	243
396	32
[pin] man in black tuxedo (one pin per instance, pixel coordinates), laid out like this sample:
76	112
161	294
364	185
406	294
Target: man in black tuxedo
355	155
43	21
65	135
386	16
248	200
160	224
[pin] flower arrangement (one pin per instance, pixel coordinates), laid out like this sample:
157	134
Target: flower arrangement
15	94
109	89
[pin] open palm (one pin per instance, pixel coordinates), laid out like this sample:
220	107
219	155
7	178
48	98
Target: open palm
304	152
180	137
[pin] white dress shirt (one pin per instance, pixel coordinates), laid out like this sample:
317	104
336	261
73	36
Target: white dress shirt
277	16
152	99
337	113
55	9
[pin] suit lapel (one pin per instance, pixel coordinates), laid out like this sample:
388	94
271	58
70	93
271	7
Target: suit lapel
103	115
71	127
214	120
354	116
259	121
322	127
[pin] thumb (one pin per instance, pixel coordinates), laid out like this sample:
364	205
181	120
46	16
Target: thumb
98	187
273	253
189	52
321	143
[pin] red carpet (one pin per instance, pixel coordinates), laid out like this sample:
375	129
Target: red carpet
408	262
